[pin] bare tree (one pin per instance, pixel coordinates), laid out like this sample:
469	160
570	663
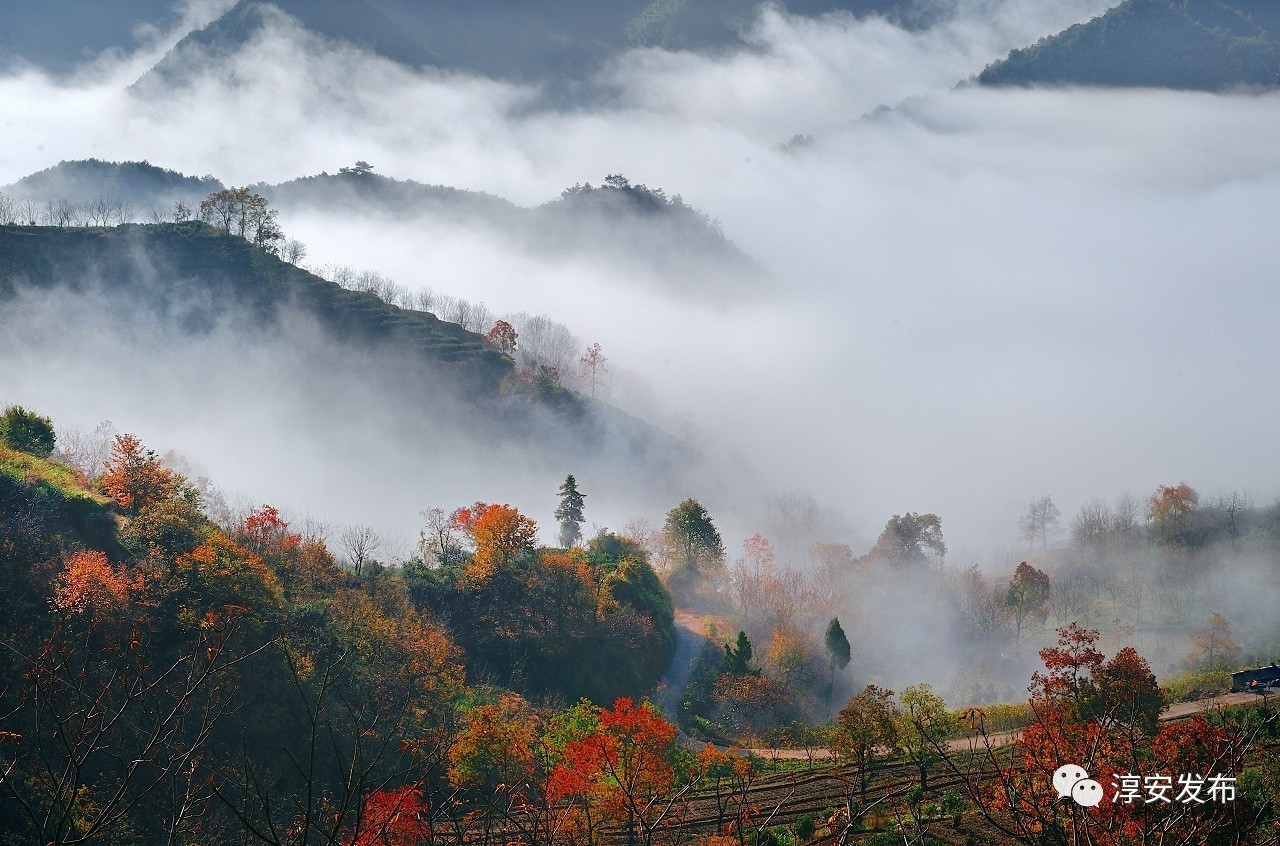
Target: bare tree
294	251
86	451
359	543
1232	507
1040	521
8	210
1090	529
99	211
544	341
593	367
1069	598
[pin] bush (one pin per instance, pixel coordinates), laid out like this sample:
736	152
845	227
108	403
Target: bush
1194	684
27	431
804	828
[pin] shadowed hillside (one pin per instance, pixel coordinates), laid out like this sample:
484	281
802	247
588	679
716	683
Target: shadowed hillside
1207	45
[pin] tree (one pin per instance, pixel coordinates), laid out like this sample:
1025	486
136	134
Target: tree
1212	646
1090	529
438	541
360	168
869	722
839	652
1040	521
133	477
502	337
360	543
909	540
737	657
624	769
1028	593
569	513
924	726
593	367
241	212
693	541
26	431
501	534
1169	511
751	572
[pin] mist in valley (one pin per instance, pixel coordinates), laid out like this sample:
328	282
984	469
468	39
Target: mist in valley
958	299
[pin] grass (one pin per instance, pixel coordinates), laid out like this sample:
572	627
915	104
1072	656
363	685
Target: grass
57	479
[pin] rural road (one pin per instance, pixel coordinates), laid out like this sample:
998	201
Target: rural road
1177	711
689	643
690	640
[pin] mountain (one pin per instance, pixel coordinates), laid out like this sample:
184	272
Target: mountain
116	299
57	35
617	220
352	21
1202	45
141	184
512	39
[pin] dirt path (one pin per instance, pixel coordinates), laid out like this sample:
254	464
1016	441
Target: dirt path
689	643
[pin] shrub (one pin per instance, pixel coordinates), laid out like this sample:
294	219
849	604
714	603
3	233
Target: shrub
27	431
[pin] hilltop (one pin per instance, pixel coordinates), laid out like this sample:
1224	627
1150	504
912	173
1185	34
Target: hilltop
1204	45
616	219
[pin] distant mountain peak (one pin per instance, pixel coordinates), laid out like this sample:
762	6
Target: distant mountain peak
354	22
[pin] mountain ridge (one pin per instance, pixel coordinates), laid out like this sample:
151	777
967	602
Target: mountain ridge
1200	45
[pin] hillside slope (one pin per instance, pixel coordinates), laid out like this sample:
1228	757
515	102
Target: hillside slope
140	295
1204	45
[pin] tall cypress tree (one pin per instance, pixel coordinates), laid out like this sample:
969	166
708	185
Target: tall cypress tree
570	512
838	651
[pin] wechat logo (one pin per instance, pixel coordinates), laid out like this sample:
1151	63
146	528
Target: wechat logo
1072	780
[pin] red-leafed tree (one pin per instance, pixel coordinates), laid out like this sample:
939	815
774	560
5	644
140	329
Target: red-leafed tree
624	770
502	337
392	818
1102	716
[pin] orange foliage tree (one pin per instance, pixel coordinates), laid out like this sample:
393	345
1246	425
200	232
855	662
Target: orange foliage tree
500	533
89	582
134	477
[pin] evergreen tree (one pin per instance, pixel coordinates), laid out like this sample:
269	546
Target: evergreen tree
693	541
838	651
737	658
570	512
27	431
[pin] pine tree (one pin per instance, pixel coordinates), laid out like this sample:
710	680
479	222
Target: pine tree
570	512
838	651
737	658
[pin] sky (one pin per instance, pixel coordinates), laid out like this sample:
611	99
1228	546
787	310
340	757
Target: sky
974	297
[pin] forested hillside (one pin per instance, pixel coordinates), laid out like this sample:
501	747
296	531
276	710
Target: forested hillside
1206	45
164	678
193	278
